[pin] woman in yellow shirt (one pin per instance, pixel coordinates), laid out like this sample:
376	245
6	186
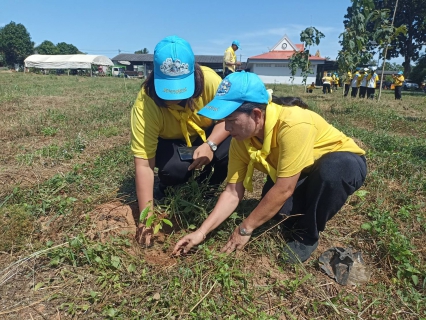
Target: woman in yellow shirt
313	167
398	80
164	121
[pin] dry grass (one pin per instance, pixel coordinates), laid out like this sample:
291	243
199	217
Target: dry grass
68	208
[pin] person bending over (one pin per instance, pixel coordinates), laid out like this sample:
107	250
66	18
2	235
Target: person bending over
313	167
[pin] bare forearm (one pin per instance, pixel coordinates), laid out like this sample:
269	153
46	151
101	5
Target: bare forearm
265	210
144	186
227	203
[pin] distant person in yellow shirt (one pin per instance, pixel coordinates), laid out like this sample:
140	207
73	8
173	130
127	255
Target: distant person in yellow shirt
230	58
326	83
310	88
312	167
355	83
166	131
398	80
372	79
348	82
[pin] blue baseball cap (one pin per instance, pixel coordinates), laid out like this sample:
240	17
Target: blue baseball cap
174	64
237	43
400	72
233	91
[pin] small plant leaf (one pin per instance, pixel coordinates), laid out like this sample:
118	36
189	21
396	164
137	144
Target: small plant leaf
40	284
144	214
149	221
168	222
131	268
192	227
366	226
157	228
415	279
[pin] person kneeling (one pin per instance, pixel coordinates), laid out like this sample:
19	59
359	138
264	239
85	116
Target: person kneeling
312	166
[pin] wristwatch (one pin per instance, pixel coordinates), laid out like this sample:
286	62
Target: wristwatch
212	145
243	232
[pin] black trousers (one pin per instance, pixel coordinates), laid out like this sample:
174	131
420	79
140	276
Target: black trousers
173	171
370	93
362	92
398	92
354	92
321	193
226	72
347	86
326	88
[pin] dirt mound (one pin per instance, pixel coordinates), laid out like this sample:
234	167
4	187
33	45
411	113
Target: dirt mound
112	219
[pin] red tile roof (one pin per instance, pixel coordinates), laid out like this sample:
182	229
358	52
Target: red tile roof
279	55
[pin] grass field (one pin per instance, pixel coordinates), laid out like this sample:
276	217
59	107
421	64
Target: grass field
67	206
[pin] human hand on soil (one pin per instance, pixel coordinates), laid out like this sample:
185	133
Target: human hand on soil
202	156
235	242
187	242
143	235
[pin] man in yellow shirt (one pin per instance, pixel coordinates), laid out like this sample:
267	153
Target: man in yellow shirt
372	79
310	88
313	167
230	58
165	126
398	80
348	82
326	83
356	79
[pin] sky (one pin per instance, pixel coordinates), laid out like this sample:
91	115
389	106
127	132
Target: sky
109	27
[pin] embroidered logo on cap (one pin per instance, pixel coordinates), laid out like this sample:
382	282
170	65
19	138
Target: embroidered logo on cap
174	68
224	87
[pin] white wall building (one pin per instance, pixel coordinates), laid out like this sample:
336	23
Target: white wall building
272	66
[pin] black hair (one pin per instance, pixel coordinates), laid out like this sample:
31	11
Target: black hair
149	87
290	101
247	107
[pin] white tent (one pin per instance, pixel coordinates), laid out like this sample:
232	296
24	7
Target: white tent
69	61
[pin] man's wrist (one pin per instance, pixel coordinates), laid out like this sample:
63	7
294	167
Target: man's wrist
243	231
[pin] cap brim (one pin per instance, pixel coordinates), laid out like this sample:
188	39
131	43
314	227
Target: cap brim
178	89
218	109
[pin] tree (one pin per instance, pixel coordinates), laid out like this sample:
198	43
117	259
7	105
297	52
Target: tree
392	66
300	59
411	13
15	43
418	74
356	38
46	47
143	51
65	48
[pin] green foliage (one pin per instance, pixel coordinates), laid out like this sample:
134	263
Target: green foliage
15	43
66	48
418	74
143	51
46	47
155	220
410	14
300	59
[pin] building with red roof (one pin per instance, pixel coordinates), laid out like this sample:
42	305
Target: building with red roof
272	66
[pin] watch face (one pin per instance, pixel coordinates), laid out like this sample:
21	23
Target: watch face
214	148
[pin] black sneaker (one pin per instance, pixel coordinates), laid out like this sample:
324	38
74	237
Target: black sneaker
296	251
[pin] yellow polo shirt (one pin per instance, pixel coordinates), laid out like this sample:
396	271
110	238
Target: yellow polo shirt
398	80
348	77
229	57
149	122
300	137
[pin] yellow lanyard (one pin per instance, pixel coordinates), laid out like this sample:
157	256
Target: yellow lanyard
184	118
